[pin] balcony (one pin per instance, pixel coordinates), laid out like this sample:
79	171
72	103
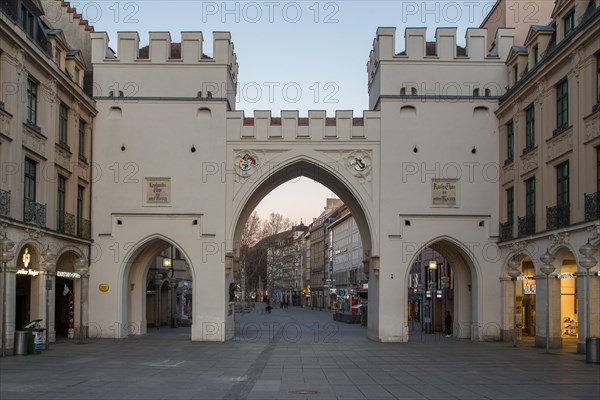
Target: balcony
65	222
592	207
506	231
83	228
558	216
34	213
526	225
5	203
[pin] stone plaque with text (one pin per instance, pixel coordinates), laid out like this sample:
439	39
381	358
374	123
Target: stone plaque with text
444	192
158	190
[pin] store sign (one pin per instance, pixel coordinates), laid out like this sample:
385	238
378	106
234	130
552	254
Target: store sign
525	278
439	294
24	271
529	287
428	294
566	276
69	275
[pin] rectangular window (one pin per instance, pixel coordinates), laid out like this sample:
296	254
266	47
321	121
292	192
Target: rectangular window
80	196
516	72
60	202
30	179
598	79
530	197
76	75
510	141
562	184
536	54
62	124
27	21
32	93
597	169
81	142
569	21
510	205
562	104
57	56
530	127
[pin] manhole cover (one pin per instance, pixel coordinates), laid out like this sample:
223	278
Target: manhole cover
304	391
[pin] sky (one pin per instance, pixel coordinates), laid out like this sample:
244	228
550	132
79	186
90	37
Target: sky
292	55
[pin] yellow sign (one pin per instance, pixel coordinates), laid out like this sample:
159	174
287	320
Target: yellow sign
103	287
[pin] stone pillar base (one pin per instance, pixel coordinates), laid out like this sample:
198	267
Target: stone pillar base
555	342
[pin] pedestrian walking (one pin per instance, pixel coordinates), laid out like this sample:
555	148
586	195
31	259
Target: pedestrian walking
448	324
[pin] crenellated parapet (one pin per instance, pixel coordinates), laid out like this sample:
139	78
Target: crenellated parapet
161	50
216	76
419	63
290	126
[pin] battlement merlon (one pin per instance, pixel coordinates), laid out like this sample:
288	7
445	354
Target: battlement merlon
417	48
159	52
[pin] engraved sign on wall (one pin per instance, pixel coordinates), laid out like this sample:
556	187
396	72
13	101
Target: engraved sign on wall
444	192
158	190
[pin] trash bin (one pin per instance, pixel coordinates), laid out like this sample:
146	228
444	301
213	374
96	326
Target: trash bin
21	342
592	350
35	343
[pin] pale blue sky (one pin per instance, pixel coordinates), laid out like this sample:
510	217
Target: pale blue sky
312	53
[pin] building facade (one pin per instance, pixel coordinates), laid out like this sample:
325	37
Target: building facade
46	118
550	153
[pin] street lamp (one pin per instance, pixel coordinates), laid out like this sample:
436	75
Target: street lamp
432	287
6	255
81	267
48	265
514	272
547	268
587	262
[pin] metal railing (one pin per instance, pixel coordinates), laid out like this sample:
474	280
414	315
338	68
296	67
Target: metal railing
506	231
34	213
526	225
558	216
592	206
5	203
65	222
83	228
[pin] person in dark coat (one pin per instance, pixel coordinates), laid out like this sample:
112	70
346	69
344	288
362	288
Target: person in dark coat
448	324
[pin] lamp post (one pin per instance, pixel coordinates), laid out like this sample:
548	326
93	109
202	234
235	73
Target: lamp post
514	272
547	268
432	287
168	264
587	261
6	255
48	265
81	267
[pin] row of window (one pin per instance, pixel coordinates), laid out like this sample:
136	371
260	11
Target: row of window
63	113
562	191
30	195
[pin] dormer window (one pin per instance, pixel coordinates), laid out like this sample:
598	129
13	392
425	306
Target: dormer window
27	20
76	75
57	56
569	22
536	53
516	73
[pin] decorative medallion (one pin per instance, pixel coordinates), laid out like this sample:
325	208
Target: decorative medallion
360	163
246	162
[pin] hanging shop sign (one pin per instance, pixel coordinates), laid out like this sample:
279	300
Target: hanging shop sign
24	271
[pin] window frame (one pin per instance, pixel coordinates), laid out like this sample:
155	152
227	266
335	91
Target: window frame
32	100
562	104
81	139
30	179
562	184
598	78
510	205
63	124
530	197
510	141
569	22
530	127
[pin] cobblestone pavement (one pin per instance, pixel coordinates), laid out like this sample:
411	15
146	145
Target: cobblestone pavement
296	354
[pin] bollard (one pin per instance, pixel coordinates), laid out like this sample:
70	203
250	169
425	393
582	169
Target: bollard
592	350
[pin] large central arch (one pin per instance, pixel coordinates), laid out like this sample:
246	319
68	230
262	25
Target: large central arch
314	170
